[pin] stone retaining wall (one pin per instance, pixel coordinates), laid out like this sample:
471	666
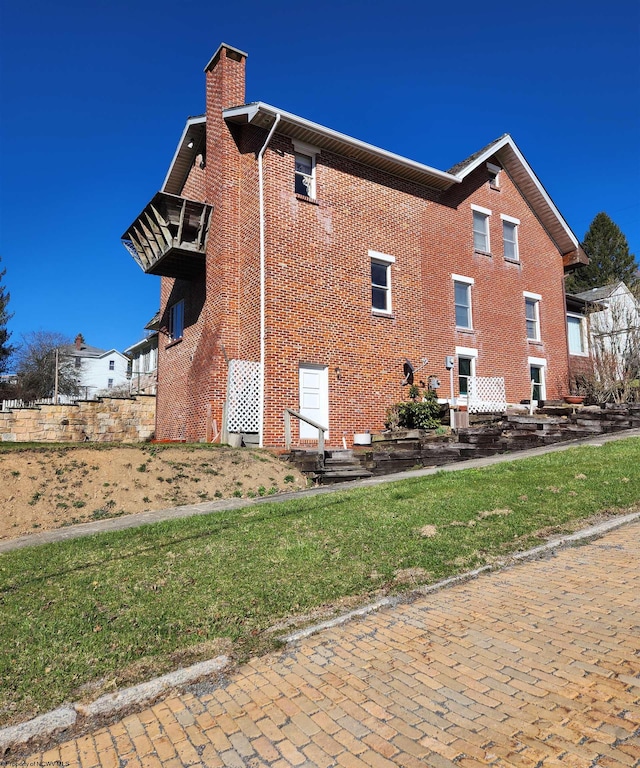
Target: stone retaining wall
108	420
515	432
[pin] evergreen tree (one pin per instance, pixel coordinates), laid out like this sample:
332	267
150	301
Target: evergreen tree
5	348
609	258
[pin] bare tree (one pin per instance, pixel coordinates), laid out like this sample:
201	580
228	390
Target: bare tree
613	371
36	366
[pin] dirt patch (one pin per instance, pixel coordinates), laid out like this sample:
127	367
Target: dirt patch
48	488
495	513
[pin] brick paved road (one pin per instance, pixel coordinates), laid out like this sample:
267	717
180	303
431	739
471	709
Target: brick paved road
538	665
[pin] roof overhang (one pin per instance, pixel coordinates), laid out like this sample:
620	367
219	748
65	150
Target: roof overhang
515	164
263	115
191	144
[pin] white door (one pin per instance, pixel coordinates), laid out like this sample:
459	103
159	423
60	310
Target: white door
314	399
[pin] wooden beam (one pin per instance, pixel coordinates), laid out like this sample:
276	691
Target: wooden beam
151	257
164	226
157	234
180	227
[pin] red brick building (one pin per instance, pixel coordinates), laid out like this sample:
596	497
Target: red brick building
332	262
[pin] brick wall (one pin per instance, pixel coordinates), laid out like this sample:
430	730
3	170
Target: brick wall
318	286
125	420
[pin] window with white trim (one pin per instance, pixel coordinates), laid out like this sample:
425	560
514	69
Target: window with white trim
462	301
305	169
466	357
109	383
481	229
532	315
112	365
510	237
305	176
537	371
381	281
576	334
176	320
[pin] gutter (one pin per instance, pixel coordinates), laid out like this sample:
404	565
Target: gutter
262	281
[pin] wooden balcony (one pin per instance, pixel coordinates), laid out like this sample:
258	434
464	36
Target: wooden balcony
169	237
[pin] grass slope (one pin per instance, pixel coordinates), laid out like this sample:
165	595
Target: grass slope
85	616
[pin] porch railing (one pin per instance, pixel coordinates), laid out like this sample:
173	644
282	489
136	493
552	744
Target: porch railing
288	413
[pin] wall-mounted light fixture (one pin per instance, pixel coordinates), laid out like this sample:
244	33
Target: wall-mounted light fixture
338	374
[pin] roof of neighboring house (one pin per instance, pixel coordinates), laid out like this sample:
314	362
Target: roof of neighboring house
88	351
149	341
602	292
503	149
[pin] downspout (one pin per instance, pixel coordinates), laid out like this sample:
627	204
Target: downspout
262	282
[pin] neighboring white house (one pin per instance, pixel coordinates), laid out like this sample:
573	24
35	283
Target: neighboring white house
144	360
98	370
613	321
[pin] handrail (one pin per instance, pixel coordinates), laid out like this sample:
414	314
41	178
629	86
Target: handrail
288	413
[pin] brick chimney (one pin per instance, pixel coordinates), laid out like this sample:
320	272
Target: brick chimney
225	78
79	341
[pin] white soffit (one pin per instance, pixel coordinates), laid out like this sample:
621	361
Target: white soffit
298	128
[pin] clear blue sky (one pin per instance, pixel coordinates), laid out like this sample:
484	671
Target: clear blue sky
94	96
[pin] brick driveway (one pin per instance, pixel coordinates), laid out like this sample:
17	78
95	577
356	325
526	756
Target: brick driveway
536	665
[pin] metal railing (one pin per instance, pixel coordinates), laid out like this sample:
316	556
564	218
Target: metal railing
288	413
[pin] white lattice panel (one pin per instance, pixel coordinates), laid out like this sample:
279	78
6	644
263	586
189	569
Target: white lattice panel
243	396
486	394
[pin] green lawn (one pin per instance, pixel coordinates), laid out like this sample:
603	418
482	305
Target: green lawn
125	606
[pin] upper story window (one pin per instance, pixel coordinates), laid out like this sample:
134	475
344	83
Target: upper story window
576	334
510	237
112	365
532	314
78	361
494	175
481	229
462	301
176	320
305	181
381	281
305	169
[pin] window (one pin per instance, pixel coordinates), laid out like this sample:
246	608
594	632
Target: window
381	281
532	314
466	368
112	365
481	229
176	320
78	362
576	334
305	182
510	237
109	383
305	169
462	300
494	175
537	367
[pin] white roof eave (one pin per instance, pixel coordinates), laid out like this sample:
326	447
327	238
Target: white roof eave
181	144
250	111
509	143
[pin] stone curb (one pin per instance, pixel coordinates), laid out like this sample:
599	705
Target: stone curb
52	723
587	534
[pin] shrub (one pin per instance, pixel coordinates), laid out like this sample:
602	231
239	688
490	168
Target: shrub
424	414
